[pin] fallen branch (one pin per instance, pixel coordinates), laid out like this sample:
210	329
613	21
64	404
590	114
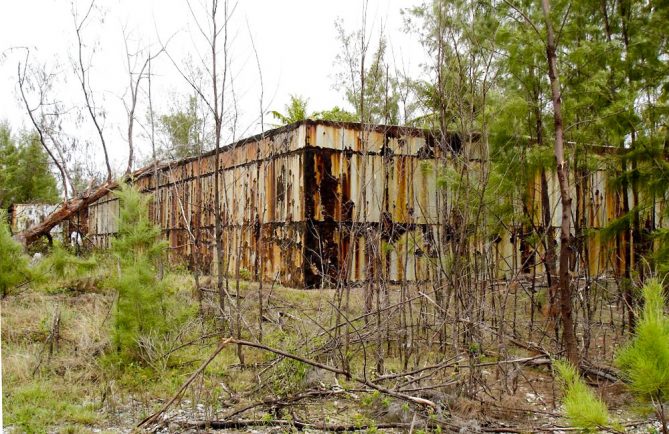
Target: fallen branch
237	424
398	395
240	424
152	418
599	372
413	399
65	211
289	400
72	206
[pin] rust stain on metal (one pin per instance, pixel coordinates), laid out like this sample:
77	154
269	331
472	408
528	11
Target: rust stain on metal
317	203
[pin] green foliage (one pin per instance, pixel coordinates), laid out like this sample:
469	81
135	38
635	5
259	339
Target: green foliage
645	360
375	399
182	129
60	271
137	238
291	374
36	406
296	110
64	265
336	114
13	263
140	308
583	409
24	170
457	35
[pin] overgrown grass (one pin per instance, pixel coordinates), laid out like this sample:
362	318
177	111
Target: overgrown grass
75	389
119	395
41	403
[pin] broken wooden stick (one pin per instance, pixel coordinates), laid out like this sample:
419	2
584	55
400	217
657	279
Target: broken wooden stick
152	418
413	399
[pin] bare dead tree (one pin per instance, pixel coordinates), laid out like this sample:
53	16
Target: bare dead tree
39	118
134	80
260	212
81	71
45	113
568	335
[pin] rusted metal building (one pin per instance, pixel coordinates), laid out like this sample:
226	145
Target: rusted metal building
298	203
317	203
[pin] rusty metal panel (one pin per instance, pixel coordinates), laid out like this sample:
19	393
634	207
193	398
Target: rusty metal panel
425	200
398	172
407	142
336	252
283	192
595	209
282	142
367	187
342	136
301	204
281	253
410	257
102	220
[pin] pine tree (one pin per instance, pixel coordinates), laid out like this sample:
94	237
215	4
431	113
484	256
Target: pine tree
582	407
140	304
13	263
645	360
25	176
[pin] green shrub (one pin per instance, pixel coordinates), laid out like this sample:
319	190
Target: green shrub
13	263
644	362
66	265
140	307
583	408
68	270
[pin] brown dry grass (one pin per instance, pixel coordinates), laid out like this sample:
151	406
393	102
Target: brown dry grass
96	394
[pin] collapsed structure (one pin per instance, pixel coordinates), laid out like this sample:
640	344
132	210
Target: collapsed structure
23	216
317	203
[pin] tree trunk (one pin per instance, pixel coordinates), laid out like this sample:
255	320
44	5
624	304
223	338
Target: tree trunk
568	335
66	210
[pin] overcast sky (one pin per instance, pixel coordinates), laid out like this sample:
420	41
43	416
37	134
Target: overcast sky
295	39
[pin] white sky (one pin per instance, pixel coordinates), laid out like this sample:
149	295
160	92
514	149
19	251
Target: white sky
295	39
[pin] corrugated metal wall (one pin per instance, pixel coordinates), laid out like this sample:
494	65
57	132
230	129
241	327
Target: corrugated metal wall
316	203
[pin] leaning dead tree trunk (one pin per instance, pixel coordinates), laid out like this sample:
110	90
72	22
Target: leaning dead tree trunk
69	208
66	210
568	335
